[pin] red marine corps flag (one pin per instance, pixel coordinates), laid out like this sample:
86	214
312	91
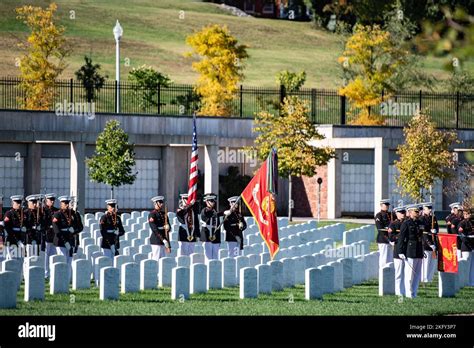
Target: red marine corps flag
447	254
259	196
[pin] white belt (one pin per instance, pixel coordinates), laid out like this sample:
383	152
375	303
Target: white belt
16	229
110	231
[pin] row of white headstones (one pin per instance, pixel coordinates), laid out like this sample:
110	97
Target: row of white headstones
308	256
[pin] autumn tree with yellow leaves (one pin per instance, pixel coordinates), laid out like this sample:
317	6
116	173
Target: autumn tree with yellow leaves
220	67
370	59
43	60
425	157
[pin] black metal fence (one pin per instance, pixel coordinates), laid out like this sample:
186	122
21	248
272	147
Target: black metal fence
326	106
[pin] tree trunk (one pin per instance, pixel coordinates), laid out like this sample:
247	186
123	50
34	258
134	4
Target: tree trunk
290	208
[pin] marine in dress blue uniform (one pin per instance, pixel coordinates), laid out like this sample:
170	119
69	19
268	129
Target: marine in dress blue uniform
159	225
411	250
188	231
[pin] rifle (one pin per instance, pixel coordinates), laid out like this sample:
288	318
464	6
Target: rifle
114	221
168	250
38	227
75	236
23	233
43	231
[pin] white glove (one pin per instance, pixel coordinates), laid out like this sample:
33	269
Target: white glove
23	229
20	244
71	229
116	232
227	213
402	256
112	249
434	231
67	245
167	245
433	247
392	243
166	227
241	225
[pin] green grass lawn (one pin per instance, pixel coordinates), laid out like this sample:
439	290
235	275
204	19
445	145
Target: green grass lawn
155	35
358	300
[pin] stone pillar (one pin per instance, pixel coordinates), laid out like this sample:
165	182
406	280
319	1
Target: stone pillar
381	158
78	173
334	187
211	170
174	174
32	170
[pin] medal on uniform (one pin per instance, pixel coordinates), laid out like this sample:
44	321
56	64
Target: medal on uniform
190	238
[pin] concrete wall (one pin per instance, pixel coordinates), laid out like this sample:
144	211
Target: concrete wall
382	141
52	151
39	150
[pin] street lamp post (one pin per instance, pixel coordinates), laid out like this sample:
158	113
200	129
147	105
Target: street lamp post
118	32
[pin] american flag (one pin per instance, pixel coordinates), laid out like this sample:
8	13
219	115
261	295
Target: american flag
193	169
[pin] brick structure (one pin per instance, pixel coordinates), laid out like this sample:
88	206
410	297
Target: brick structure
305	194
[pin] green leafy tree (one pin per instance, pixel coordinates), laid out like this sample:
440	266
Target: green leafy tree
290	133
461	81
146	81
113	159
290	80
44	59
425	157
91	79
370	12
187	103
